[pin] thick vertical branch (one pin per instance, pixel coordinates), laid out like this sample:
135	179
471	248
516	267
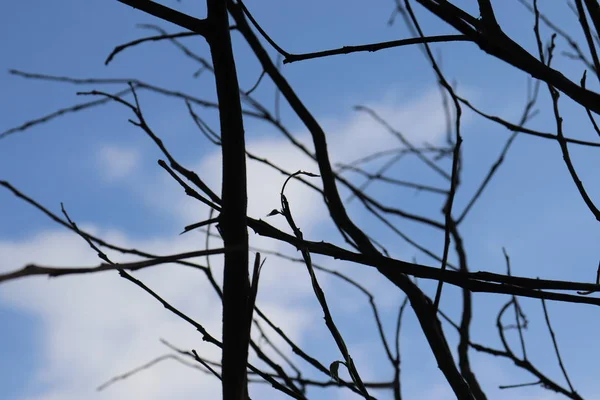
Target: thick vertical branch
236	286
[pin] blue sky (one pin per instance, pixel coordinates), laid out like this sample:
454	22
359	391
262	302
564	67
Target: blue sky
61	338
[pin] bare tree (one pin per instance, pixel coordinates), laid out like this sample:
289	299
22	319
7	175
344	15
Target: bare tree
355	244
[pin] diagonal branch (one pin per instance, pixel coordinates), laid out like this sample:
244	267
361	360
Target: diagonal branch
200	26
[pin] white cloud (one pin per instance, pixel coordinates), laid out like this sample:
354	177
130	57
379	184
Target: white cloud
355	135
98	326
117	162
419	120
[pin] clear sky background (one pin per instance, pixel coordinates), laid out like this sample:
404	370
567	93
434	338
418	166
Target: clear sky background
61	338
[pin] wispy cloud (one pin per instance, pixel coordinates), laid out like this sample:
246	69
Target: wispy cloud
98	326
117	162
